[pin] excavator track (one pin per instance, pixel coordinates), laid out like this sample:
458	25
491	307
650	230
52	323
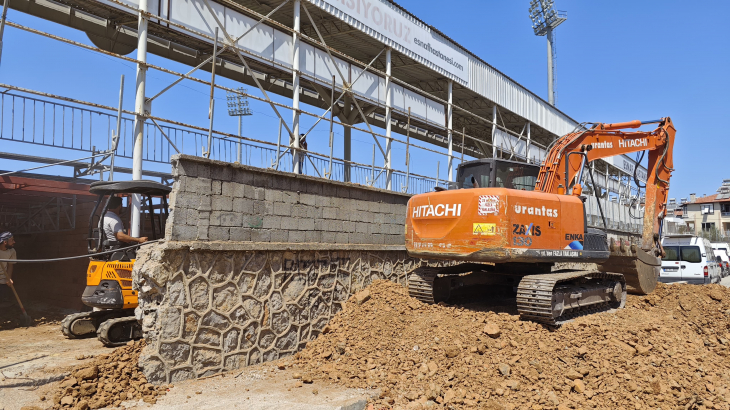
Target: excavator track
556	298
85	324
420	284
119	331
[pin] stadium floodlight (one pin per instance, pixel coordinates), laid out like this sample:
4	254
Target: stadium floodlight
544	20
238	107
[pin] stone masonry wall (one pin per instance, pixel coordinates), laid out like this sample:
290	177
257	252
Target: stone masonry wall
255	264
207	312
218	201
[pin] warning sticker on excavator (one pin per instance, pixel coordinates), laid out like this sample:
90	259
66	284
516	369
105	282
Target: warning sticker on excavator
484	229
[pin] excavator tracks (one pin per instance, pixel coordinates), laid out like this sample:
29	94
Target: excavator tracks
556	298
420	284
119	331
85	324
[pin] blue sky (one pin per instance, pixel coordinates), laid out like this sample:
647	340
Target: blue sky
617	61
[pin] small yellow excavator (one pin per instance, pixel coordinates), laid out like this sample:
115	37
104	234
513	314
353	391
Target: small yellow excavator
109	275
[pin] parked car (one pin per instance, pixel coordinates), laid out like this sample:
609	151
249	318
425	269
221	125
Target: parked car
689	259
722	251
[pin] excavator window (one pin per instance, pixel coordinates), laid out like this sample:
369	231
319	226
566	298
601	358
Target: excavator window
479	171
516	176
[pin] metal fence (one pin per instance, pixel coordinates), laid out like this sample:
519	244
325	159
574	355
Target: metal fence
58	125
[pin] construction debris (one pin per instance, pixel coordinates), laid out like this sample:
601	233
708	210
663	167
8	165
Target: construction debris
107	381
667	350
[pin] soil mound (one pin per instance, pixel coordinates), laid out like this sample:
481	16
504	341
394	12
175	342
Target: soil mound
667	350
107	381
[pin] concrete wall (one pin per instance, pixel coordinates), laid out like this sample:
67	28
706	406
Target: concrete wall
256	262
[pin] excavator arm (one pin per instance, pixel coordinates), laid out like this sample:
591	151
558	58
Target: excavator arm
562	170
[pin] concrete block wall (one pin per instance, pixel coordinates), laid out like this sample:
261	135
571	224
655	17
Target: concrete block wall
256	263
216	201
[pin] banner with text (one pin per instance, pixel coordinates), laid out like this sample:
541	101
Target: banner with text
383	19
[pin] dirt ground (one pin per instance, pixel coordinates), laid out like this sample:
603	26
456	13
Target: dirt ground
34	361
668	350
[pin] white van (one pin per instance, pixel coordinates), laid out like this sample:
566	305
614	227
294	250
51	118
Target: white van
689	259
722	251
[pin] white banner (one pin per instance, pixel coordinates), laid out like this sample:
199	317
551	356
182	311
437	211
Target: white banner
385	20
627	165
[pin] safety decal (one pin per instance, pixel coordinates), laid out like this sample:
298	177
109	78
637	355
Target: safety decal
488	204
484	229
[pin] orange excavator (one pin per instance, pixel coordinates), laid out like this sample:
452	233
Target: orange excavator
521	223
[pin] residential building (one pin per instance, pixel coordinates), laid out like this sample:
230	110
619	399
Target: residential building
708	216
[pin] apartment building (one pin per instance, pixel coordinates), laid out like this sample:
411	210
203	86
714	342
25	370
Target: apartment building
707	214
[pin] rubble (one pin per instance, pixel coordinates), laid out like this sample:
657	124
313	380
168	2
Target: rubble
107	381
666	350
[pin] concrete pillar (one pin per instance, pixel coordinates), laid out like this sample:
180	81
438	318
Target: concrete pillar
494	130
388	114
450	124
139	118
347	143
527	149
295	85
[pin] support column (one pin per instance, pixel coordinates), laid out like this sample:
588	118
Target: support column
551	96
527	150
388	114
295	86
2	24
139	118
347	143
494	130
450	124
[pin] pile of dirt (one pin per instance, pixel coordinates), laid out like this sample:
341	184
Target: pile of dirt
107	381
667	350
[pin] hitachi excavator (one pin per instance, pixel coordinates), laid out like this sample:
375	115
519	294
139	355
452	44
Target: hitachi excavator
517	221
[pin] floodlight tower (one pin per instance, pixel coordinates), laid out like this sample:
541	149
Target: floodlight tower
544	20
238	107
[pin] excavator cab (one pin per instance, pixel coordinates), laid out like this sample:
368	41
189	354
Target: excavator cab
497	173
109	275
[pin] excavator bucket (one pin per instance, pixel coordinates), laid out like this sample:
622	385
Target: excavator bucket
640	268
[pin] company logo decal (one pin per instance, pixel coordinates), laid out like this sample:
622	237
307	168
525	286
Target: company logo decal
639	142
537	211
484	229
488	204
576	241
606	144
436	210
527	230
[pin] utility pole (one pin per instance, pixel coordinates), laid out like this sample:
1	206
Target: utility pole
544	21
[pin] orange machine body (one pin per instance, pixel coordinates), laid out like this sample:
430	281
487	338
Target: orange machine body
497	225
509	225
120	272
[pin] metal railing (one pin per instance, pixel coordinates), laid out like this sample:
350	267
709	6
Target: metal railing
58	125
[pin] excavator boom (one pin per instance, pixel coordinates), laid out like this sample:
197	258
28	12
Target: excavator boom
608	140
